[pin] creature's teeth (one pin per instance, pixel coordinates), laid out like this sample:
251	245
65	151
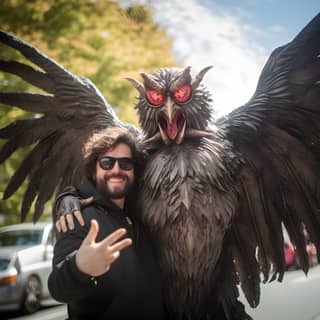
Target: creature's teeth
194	133
154	138
164	136
180	136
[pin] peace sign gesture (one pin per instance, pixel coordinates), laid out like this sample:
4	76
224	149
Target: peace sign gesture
95	258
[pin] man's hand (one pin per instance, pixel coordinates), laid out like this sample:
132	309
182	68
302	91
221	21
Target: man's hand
67	208
95	258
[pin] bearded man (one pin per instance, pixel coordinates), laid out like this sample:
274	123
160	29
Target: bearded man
89	274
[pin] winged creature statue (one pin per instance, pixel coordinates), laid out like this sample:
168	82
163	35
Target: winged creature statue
215	193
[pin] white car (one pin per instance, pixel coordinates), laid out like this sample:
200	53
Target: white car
26	252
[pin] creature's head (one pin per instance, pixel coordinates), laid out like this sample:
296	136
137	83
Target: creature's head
173	105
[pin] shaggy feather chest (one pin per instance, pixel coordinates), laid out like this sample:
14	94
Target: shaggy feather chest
188	204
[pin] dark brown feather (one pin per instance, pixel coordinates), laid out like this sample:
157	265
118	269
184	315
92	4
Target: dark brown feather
29	74
277	134
72	111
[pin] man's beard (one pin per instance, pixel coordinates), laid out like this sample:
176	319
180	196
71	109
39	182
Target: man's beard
116	193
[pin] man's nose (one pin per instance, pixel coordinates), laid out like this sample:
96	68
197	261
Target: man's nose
116	168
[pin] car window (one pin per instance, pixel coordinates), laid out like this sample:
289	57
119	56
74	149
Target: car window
20	238
4	264
50	238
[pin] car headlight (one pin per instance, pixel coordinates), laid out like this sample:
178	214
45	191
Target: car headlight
10	278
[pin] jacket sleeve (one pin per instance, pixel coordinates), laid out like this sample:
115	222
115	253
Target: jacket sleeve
66	282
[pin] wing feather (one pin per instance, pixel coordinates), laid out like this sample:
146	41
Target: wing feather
23	133
72	108
29	196
33	54
29	101
29	74
277	135
244	252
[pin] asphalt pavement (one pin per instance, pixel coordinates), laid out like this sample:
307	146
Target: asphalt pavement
48	313
296	298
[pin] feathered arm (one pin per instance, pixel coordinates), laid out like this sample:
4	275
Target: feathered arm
277	135
71	110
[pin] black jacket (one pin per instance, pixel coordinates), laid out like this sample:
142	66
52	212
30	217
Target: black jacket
130	289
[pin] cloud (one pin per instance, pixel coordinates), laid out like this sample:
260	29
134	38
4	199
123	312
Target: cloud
214	36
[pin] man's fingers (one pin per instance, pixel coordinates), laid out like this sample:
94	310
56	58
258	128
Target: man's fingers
85	202
113	237
69	218
63	224
92	234
120	245
66	222
58	227
79	217
114	257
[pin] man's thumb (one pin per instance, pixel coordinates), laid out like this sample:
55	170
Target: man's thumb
93	232
86	202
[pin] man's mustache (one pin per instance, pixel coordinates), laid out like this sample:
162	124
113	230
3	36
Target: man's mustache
119	175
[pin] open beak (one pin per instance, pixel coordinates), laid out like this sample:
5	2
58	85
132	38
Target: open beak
169	109
185	133
172	127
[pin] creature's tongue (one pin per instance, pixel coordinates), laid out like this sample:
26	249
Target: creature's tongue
171	128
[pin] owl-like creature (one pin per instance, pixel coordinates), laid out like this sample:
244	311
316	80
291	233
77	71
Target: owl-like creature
189	192
215	193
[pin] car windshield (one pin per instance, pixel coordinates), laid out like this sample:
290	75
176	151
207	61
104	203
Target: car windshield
20	238
4	264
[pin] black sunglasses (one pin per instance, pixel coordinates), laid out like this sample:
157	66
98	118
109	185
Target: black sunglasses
107	163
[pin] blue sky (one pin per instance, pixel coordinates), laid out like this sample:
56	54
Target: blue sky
287	17
234	36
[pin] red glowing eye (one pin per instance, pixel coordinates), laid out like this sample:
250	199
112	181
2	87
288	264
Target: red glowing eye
183	94
155	97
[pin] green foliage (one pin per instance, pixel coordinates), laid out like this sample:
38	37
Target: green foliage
98	39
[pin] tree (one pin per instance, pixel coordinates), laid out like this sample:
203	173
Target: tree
102	40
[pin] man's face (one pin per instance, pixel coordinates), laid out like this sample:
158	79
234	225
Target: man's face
116	182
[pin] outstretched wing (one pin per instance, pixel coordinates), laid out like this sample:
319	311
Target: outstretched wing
277	133
71	110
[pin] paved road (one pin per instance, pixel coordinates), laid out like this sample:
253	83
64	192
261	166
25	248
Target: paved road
297	298
48	313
